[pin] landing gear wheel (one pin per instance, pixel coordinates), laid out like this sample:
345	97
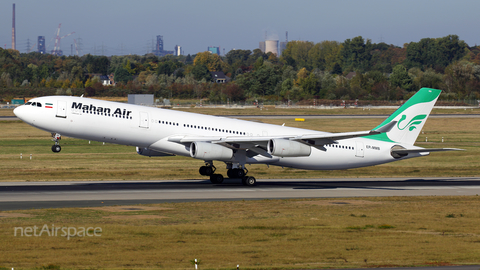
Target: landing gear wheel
239	173
236	173
56	148
216	178
249	181
205	170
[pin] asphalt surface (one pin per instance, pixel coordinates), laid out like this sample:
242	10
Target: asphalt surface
33	195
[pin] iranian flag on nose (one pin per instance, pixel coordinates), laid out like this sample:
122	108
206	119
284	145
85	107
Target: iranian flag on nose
49	105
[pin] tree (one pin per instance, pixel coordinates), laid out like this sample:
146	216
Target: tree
324	55
356	54
260	82
337	69
435	53
237	56
90	91
122	75
212	61
296	54
234	92
463	78
400	78
201	72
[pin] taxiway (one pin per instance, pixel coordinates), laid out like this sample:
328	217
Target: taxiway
30	195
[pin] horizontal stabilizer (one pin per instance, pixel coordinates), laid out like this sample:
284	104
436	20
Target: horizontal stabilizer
424	150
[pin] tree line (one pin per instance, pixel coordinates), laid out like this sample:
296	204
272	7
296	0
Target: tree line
353	69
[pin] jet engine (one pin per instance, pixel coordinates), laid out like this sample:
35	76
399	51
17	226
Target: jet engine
287	148
210	151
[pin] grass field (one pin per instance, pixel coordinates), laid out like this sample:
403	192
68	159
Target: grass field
266	234
80	160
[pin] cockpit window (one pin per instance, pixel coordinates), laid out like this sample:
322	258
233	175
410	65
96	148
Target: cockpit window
34	104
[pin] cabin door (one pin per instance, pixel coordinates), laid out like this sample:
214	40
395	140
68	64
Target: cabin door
360	149
143	120
62	109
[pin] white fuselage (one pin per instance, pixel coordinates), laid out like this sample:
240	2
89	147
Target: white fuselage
147	127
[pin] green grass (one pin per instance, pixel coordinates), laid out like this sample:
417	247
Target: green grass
265	234
81	160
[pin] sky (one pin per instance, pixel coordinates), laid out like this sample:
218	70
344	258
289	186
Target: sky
119	27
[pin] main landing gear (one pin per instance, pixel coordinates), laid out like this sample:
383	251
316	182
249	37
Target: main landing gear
239	173
56	147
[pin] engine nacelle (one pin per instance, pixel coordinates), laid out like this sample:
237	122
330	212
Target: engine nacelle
287	148
210	151
397	155
151	153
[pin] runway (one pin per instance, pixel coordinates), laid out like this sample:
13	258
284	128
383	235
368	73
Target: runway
34	195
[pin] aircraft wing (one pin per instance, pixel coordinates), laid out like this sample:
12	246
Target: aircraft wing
246	142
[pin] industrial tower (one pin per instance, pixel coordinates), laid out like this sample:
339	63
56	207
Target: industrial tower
13	29
56	49
159	51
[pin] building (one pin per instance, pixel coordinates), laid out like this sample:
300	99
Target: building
41	45
107	80
219	77
178	50
159	51
283	45
140	99
269	46
272	45
214	50
261	46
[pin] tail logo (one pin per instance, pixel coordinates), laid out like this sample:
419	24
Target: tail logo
413	123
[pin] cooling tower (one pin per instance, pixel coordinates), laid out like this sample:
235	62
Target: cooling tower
271	46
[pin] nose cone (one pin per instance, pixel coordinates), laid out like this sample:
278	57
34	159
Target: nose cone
21	112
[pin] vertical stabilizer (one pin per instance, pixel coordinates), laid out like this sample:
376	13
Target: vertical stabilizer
410	118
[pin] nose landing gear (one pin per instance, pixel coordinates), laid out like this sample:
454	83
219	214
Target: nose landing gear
56	147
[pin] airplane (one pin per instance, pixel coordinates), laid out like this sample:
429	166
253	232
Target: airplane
165	132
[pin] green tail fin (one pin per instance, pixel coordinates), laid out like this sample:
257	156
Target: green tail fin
410	118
